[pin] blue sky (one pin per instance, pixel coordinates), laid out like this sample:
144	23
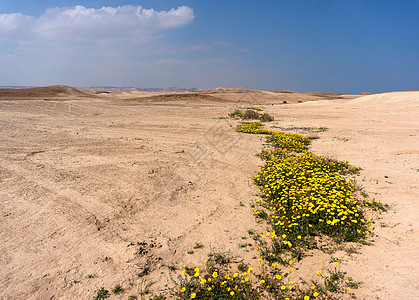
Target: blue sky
314	45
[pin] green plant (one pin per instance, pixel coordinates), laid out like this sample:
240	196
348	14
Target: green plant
144	287
101	294
351	250
171	267
218	258
266	118
261	214
118	289
198	246
132	297
242	267
91	276
158	297
251	114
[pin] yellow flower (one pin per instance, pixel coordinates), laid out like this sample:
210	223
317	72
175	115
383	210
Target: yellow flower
348	288
202	281
336	263
283	287
209	289
262	281
215	274
235	275
290	262
315	294
319	272
306	298
232	293
183	272
193	295
183	289
291	282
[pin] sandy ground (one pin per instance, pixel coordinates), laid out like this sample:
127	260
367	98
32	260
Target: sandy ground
103	186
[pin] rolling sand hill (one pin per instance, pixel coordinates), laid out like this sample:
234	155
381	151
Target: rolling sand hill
99	190
45	92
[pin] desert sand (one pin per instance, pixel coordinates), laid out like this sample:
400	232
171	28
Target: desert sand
109	185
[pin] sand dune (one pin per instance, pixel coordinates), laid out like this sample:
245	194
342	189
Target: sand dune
50	91
403	99
220	94
188	97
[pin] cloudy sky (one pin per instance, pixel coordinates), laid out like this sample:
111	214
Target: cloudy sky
312	45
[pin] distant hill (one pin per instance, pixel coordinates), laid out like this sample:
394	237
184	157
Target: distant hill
48	91
133	89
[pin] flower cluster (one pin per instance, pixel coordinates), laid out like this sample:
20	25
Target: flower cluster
253	127
305	194
289	141
271	283
216	284
308	197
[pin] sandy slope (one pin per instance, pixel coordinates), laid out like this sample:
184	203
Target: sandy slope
109	187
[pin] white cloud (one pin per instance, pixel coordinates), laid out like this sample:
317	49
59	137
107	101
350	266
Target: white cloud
88	24
86	46
14	25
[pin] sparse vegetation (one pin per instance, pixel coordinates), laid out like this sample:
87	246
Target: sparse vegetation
266	118
171	267
101	294
218	258
308	202
144	287
198	246
351	250
251	114
118	289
